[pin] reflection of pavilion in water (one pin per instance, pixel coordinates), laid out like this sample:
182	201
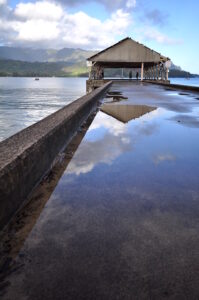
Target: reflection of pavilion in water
125	113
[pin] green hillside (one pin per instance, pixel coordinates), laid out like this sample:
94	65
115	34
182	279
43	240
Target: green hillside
18	68
44	55
28	69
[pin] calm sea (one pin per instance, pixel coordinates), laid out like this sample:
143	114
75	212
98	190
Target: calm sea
24	101
184	81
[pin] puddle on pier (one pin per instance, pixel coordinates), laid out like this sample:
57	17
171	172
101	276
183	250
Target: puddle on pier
114	96
184	94
123	218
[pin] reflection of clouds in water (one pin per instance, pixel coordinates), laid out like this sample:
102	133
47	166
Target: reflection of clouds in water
101	151
146	129
118	139
191	121
147	124
163	157
114	142
153	114
112	125
118	128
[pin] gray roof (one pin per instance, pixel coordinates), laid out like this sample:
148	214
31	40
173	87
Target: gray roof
127	53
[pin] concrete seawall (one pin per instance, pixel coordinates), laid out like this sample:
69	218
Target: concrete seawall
28	155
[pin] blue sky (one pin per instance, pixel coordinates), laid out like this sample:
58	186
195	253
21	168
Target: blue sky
169	27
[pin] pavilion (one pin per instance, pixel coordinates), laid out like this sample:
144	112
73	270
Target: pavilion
128	53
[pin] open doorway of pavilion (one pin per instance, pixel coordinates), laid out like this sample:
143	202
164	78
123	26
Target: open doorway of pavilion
122	73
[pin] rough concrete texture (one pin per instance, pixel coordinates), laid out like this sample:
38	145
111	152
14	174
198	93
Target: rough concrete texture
28	155
92	84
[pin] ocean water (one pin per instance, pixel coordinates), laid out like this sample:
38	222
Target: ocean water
24	101
184	81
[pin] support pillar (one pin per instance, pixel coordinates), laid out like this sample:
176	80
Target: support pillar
142	71
157	74
154	72
167	74
162	73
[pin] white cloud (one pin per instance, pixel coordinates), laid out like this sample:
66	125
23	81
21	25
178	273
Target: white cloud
118	22
151	33
131	3
42	10
91	32
48	24
6	26
2	2
37	30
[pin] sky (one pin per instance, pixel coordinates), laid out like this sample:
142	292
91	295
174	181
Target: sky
169	27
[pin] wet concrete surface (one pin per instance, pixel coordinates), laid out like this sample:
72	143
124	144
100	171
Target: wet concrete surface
122	220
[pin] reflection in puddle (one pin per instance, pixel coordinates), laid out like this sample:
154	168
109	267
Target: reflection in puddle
173	94
168	89
114	93
114	99
116	96
187	120
184	94
125	113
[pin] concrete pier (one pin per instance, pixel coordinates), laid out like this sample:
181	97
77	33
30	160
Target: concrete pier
29	154
122	221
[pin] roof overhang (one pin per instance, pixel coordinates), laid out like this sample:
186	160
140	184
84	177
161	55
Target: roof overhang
127	53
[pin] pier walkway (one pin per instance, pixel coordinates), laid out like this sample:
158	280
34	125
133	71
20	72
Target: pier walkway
117	218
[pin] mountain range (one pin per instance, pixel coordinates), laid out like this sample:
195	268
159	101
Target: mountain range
51	62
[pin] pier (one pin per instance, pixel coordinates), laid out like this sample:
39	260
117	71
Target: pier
100	200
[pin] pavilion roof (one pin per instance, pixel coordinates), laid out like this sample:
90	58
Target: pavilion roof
127	53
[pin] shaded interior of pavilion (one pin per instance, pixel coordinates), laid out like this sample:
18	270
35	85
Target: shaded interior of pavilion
122	70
